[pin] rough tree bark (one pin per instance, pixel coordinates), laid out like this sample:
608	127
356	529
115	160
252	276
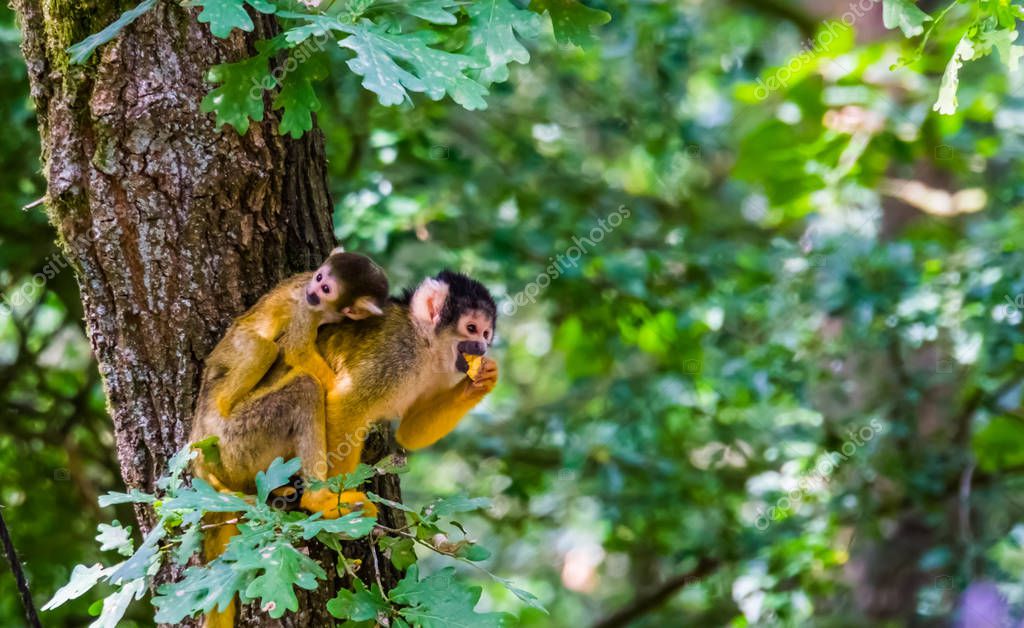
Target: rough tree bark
173	226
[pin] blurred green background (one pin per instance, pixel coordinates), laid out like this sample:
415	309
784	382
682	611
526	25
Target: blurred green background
796	353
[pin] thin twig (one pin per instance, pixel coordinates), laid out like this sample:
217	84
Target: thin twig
349	569
207	526
36	203
394	530
440	551
19	575
376	565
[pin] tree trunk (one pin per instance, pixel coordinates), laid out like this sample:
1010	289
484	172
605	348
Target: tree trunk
173	225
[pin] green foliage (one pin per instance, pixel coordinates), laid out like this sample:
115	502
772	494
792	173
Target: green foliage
80	52
348	481
1000	444
433	11
397	49
762	298
297	97
426	528
434	72
571	20
785	276
260	563
275	476
209	448
437	601
441	600
400	551
990	26
904	15
284	568
114	537
360	604
263	562
224	16
494	26
239	96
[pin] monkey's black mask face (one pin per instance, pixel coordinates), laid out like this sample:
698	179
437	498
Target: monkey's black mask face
312	299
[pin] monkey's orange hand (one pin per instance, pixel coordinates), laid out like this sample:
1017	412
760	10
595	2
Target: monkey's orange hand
486	379
334	505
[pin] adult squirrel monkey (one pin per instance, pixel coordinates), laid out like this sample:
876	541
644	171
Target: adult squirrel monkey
409	362
413	362
286	319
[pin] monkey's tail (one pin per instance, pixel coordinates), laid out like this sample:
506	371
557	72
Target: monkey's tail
215	541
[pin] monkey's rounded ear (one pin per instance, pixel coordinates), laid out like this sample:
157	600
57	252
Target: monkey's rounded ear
337	249
428	301
362	308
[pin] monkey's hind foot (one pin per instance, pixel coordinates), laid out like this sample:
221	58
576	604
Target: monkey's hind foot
289	496
334	505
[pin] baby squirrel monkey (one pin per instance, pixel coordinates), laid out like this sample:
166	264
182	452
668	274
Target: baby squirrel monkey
347	285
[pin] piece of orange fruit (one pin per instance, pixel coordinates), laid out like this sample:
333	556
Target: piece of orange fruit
476	362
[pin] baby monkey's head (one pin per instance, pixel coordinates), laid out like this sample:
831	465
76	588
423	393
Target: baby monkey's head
348	285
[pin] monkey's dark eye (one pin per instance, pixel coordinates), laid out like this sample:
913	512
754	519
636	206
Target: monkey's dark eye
487	335
319	276
471	328
326	289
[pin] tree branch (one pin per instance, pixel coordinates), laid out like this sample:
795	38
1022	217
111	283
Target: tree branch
19	575
658	596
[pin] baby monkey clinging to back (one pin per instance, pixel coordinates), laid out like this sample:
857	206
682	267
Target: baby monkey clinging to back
347	285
